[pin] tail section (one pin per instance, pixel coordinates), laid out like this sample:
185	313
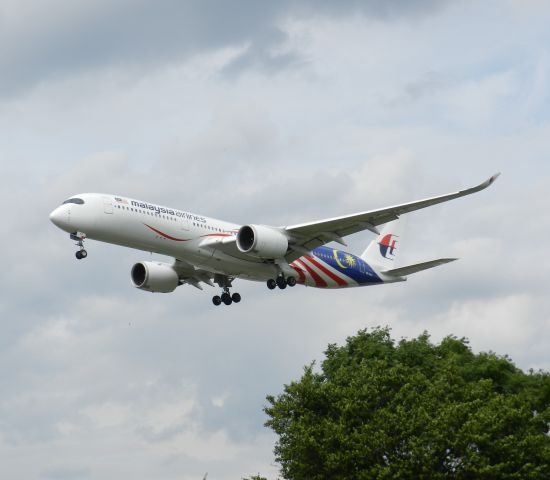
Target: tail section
382	253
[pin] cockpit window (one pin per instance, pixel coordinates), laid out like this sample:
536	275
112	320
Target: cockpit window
78	201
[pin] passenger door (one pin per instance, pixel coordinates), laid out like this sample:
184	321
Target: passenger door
107	205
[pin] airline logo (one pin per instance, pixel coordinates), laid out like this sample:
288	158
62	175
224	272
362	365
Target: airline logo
158	210
387	246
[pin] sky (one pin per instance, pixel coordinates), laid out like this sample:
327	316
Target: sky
255	112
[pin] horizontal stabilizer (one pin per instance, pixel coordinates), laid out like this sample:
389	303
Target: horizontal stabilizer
417	267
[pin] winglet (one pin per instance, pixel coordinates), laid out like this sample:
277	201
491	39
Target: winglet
493	178
481	186
489	182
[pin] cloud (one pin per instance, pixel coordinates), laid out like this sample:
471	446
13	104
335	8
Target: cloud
504	324
87	390
41	42
271	116
62	473
477	102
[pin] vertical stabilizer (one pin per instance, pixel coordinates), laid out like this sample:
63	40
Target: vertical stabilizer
384	250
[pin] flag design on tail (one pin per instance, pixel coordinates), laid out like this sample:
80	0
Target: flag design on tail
384	249
388	245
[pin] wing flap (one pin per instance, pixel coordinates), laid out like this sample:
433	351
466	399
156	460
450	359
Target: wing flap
191	275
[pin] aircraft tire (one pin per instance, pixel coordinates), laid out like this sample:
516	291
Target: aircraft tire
227	300
271	284
281	283
291	281
216	300
83	253
236	297
78	255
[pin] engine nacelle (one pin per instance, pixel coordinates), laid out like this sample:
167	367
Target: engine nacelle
154	277
262	241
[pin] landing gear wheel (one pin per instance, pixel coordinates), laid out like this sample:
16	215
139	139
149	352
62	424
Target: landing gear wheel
79	255
83	253
225	297
236	297
291	281
227	300
281	283
271	284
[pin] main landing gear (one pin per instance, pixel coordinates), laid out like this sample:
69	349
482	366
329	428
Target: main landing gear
226	298
79	238
281	282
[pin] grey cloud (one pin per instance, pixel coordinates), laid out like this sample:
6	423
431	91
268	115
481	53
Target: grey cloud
125	33
87	362
262	59
65	473
429	84
379	9
52	40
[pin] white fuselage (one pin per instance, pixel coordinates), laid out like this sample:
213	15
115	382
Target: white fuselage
154	228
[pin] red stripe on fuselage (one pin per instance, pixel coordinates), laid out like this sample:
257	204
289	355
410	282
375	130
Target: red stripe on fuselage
300	273
319	282
165	235
336	278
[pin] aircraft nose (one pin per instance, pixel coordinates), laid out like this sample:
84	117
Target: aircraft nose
60	218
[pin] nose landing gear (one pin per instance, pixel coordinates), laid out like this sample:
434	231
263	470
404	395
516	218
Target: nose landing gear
80	254
79	238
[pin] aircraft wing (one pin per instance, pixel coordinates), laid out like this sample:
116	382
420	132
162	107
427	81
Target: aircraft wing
191	275
307	236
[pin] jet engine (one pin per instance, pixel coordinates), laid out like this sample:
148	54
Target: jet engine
154	277
262	241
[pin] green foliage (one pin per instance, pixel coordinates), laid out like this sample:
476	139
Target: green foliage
412	409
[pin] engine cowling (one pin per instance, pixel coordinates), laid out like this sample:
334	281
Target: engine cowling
154	277
262	241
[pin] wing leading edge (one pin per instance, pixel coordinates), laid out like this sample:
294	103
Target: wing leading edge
307	236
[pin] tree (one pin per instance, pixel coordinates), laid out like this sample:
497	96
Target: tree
412	409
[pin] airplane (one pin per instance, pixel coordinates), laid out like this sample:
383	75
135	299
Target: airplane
210	251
